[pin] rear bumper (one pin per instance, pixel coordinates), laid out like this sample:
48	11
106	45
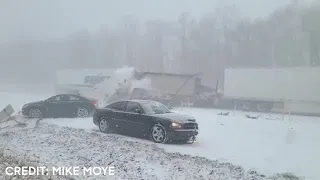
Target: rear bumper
182	134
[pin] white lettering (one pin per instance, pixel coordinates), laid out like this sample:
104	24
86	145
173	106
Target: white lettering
62	171
33	171
111	171
7	171
104	169
24	171
17	170
87	171
41	170
95	169
76	171
56	171
68	171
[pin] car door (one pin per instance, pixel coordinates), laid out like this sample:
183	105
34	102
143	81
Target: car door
57	106
137	121
118	119
73	103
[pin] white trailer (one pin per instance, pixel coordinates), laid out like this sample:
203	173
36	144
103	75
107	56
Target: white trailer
295	89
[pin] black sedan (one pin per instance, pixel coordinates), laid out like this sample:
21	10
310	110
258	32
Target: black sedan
146	118
62	105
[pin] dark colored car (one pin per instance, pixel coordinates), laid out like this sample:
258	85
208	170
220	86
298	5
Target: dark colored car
62	105
146	118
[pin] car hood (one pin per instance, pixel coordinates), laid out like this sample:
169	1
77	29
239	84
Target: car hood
182	118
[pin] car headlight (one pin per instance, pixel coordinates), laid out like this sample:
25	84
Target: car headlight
175	125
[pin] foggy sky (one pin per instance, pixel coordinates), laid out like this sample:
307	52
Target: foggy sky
42	19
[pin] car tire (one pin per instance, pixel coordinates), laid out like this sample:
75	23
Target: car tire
158	134
104	125
82	112
35	113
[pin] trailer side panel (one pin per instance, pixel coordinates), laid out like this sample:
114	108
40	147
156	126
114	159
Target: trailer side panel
294	84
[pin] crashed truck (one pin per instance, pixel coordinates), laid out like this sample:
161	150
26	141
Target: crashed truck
293	90
97	84
108	85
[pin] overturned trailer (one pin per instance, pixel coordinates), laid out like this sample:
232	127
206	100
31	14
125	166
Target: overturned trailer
92	83
169	88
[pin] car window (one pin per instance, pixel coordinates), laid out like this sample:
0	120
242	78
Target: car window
63	98
132	107
54	98
120	106
74	98
58	98
153	107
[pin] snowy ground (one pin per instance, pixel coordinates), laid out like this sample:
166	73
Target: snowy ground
267	145
51	145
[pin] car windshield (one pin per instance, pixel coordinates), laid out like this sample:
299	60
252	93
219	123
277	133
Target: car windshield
152	107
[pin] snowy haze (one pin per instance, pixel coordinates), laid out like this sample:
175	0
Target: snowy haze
43	19
39	37
47	20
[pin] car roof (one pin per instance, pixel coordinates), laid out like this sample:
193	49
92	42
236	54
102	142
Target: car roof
138	101
67	95
134	100
71	95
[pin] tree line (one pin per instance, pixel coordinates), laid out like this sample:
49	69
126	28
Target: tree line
290	36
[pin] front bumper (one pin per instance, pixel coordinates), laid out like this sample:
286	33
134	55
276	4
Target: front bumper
25	112
182	134
95	119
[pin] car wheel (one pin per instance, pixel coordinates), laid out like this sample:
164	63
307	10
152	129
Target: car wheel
158	134
35	113
104	125
82	112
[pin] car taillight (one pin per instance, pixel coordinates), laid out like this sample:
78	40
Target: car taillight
94	103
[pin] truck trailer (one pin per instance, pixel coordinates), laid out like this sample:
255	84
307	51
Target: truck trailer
294	90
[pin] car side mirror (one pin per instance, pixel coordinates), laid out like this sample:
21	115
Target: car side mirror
138	111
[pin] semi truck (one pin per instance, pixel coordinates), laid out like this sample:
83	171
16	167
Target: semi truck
294	90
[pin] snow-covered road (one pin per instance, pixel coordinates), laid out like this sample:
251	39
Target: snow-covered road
268	145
